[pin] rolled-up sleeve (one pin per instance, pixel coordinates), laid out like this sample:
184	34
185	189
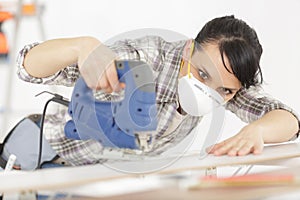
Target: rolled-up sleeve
251	104
150	49
66	76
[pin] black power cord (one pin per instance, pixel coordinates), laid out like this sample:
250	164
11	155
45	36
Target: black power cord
58	99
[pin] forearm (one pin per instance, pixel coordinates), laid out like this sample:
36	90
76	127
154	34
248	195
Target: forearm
277	126
51	56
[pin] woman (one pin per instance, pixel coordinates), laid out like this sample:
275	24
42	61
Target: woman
224	56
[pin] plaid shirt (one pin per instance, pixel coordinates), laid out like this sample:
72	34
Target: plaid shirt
164	58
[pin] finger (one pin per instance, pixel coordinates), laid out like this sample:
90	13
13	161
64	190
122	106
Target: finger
90	80
214	147
246	149
258	149
90	73
112	77
209	149
223	143
235	149
223	149
103	84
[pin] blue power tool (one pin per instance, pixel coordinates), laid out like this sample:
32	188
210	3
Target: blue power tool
128	123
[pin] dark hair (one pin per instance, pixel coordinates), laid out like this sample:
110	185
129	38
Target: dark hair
239	43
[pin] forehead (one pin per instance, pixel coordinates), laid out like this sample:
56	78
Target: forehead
209	59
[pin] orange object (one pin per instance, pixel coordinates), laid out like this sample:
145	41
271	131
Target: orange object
5	16
3	44
29	9
246	180
4	50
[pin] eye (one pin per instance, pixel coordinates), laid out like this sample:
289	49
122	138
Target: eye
225	91
202	74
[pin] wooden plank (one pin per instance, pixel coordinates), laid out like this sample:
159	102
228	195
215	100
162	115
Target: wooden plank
59	178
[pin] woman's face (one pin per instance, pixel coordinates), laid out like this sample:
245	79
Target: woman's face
207	67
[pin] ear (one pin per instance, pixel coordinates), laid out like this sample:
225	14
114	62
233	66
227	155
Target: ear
187	49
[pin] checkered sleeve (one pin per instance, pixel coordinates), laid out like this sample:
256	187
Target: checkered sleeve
251	104
149	49
66	76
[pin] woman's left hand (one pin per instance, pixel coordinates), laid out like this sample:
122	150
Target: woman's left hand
248	140
271	128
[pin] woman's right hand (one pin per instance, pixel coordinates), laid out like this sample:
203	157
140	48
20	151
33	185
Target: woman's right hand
97	67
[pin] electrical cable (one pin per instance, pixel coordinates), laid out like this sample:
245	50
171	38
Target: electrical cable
58	99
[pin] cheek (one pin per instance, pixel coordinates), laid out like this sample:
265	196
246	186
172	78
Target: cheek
196	75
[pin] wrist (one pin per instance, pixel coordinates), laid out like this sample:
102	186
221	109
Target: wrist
90	46
261	128
272	126
85	45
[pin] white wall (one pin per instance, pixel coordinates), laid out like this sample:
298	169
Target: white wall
276	22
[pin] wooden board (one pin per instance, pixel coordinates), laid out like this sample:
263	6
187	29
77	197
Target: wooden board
247	193
289	191
59	178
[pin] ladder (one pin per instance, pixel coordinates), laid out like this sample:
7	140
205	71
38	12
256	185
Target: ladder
19	10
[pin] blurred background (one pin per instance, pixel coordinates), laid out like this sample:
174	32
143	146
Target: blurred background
276	22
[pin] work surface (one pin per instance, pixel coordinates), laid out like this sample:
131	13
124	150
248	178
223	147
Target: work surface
59	178
230	193
246	193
